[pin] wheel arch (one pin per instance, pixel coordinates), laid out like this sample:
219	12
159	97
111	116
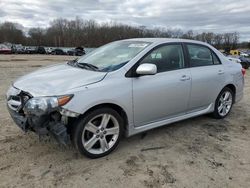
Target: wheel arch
113	106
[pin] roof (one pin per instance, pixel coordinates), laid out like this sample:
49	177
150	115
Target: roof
164	40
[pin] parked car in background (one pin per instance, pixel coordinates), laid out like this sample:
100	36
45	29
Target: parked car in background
240	59
234	52
58	51
245	62
235	59
127	86
79	51
30	50
243	54
18	49
4	49
48	50
40	50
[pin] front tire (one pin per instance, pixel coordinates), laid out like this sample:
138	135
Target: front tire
223	103
98	133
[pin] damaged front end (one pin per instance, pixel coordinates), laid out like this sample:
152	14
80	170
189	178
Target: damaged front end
43	115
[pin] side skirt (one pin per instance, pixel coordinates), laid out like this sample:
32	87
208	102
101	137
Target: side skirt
132	130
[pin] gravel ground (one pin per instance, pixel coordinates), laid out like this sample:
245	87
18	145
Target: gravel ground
199	152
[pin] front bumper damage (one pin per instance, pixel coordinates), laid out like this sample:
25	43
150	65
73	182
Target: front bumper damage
51	123
45	125
20	120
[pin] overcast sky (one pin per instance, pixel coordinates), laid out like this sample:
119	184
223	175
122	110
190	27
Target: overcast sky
198	15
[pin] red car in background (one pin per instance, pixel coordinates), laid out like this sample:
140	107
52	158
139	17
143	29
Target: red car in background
4	49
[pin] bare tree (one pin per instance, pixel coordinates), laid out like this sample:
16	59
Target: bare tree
37	36
89	33
10	32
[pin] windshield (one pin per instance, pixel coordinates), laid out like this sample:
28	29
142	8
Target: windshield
114	55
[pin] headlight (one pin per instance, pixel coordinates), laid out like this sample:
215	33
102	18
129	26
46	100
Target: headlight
43	105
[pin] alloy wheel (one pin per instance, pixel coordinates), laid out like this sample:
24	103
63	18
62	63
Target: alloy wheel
225	103
100	133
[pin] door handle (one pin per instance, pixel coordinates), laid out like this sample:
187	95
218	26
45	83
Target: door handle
220	72
184	78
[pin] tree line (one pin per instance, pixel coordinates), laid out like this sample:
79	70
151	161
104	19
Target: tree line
89	33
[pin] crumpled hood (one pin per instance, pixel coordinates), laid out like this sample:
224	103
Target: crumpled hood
57	79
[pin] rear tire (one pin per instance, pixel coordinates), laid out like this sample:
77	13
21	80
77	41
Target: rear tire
223	103
98	133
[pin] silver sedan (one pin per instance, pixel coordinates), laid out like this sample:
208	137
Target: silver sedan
125	87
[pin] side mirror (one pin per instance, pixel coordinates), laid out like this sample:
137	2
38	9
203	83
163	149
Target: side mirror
146	69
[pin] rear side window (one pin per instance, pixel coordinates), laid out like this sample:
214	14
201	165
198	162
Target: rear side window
201	56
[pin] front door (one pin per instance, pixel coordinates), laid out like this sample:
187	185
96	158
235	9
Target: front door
165	94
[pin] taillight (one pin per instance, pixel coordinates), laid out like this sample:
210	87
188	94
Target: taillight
243	71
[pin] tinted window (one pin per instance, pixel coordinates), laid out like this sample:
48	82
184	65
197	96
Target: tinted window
199	56
169	57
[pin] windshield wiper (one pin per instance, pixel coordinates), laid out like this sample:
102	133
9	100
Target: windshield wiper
88	65
72	62
83	65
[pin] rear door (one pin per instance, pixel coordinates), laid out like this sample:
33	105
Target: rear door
207	74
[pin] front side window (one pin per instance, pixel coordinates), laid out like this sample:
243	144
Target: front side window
166	58
114	55
201	56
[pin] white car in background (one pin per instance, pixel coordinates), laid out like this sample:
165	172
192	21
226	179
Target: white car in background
244	54
49	50
234	58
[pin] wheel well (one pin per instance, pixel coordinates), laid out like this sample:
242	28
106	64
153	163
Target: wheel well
115	107
233	88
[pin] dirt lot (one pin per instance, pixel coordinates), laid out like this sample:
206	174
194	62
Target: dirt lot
200	152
